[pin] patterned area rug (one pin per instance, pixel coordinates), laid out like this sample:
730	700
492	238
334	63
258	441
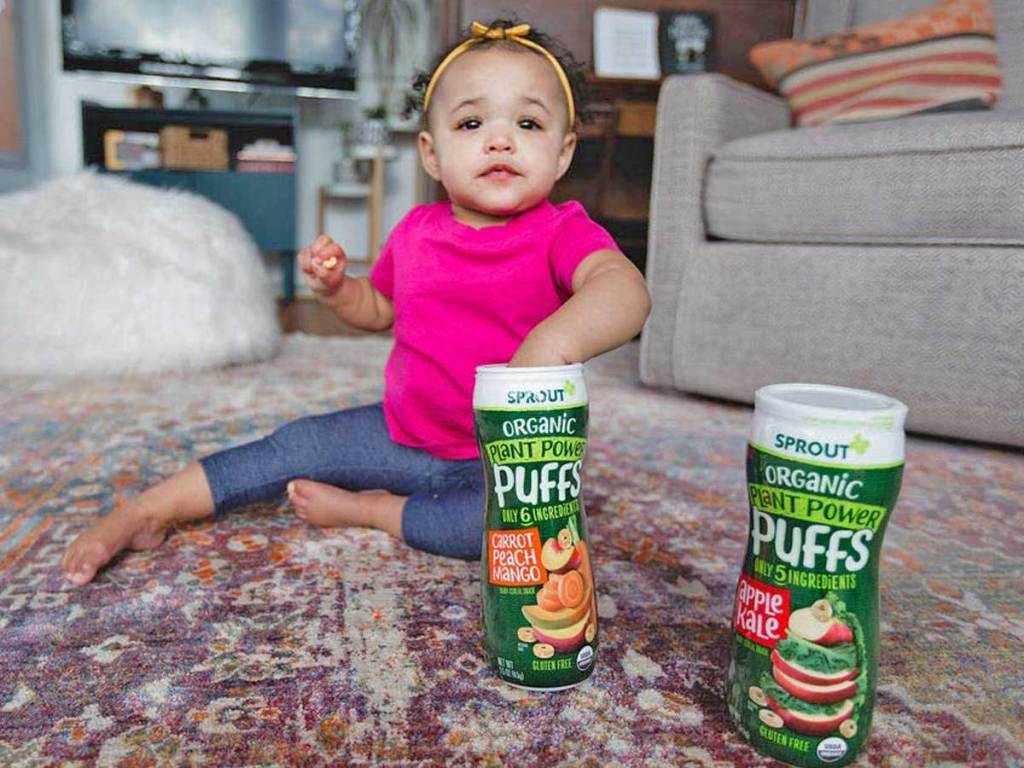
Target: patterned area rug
257	640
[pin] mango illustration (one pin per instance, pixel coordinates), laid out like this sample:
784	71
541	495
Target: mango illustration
567	639
558	619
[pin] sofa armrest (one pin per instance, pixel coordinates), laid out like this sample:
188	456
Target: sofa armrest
696	115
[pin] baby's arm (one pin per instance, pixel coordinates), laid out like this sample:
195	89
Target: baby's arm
608	307
354	300
361	305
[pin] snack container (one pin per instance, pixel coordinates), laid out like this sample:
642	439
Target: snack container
539	605
824	466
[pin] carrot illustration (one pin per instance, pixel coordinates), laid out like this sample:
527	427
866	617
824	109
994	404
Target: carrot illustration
571	589
588	575
547	599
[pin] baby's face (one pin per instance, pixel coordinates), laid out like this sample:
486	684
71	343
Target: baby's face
498	138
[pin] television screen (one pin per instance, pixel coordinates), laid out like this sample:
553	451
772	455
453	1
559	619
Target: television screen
303	44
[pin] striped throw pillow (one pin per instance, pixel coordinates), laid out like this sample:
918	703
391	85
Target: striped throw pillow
939	58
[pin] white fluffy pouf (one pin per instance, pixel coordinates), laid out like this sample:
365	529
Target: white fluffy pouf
99	275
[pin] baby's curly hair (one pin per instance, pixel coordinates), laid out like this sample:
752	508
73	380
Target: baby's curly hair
575	71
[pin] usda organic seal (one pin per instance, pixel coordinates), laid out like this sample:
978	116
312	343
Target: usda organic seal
832	749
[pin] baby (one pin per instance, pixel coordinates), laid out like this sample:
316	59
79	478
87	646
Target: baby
496	274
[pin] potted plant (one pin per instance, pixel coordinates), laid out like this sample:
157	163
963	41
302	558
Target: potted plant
374	129
384	24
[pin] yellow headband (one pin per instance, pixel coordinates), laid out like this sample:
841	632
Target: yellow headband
518	34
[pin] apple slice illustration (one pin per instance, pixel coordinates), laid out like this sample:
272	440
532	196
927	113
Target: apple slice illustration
805	675
816	623
811	724
815	694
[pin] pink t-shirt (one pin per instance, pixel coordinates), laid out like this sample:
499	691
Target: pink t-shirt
465	297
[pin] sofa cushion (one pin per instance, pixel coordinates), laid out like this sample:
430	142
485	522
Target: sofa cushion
940	57
930	179
823	17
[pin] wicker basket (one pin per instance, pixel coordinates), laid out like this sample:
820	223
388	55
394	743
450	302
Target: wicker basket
194	149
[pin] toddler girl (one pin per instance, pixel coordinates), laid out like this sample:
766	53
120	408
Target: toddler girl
497	274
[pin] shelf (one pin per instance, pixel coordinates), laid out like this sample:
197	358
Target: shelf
369	151
348	189
595	79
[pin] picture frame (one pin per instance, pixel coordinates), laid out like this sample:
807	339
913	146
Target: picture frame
12	124
686	42
626	43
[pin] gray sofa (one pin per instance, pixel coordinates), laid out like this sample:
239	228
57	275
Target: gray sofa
885	255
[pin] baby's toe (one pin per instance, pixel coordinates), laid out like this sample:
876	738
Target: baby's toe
72	566
300	491
83	575
84	560
72	556
298	499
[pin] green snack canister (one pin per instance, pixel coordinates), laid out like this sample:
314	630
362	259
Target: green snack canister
539	605
824	466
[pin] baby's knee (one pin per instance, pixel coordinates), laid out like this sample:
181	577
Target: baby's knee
440	526
468	545
295	434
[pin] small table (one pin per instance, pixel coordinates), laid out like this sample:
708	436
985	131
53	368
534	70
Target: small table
376	155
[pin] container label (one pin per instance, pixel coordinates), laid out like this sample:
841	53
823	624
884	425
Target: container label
762	611
515	558
805	643
539	604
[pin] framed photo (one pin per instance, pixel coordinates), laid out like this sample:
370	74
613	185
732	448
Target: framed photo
12	145
686	42
626	43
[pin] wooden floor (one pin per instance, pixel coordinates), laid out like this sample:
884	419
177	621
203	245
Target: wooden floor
309	316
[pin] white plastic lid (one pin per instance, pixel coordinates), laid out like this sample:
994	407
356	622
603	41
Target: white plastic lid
503	369
827	404
533	388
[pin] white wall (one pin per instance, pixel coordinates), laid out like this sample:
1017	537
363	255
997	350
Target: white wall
318	140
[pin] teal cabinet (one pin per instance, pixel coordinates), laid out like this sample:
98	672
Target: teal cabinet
258	199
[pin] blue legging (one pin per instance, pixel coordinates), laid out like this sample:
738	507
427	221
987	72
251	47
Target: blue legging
351	449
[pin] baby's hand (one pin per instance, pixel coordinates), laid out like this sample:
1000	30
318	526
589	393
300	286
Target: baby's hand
323	266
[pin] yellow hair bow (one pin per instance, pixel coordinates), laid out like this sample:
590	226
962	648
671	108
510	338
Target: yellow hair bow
498	33
481	33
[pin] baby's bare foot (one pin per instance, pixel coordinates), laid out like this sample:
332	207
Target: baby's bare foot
328	506
127	527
